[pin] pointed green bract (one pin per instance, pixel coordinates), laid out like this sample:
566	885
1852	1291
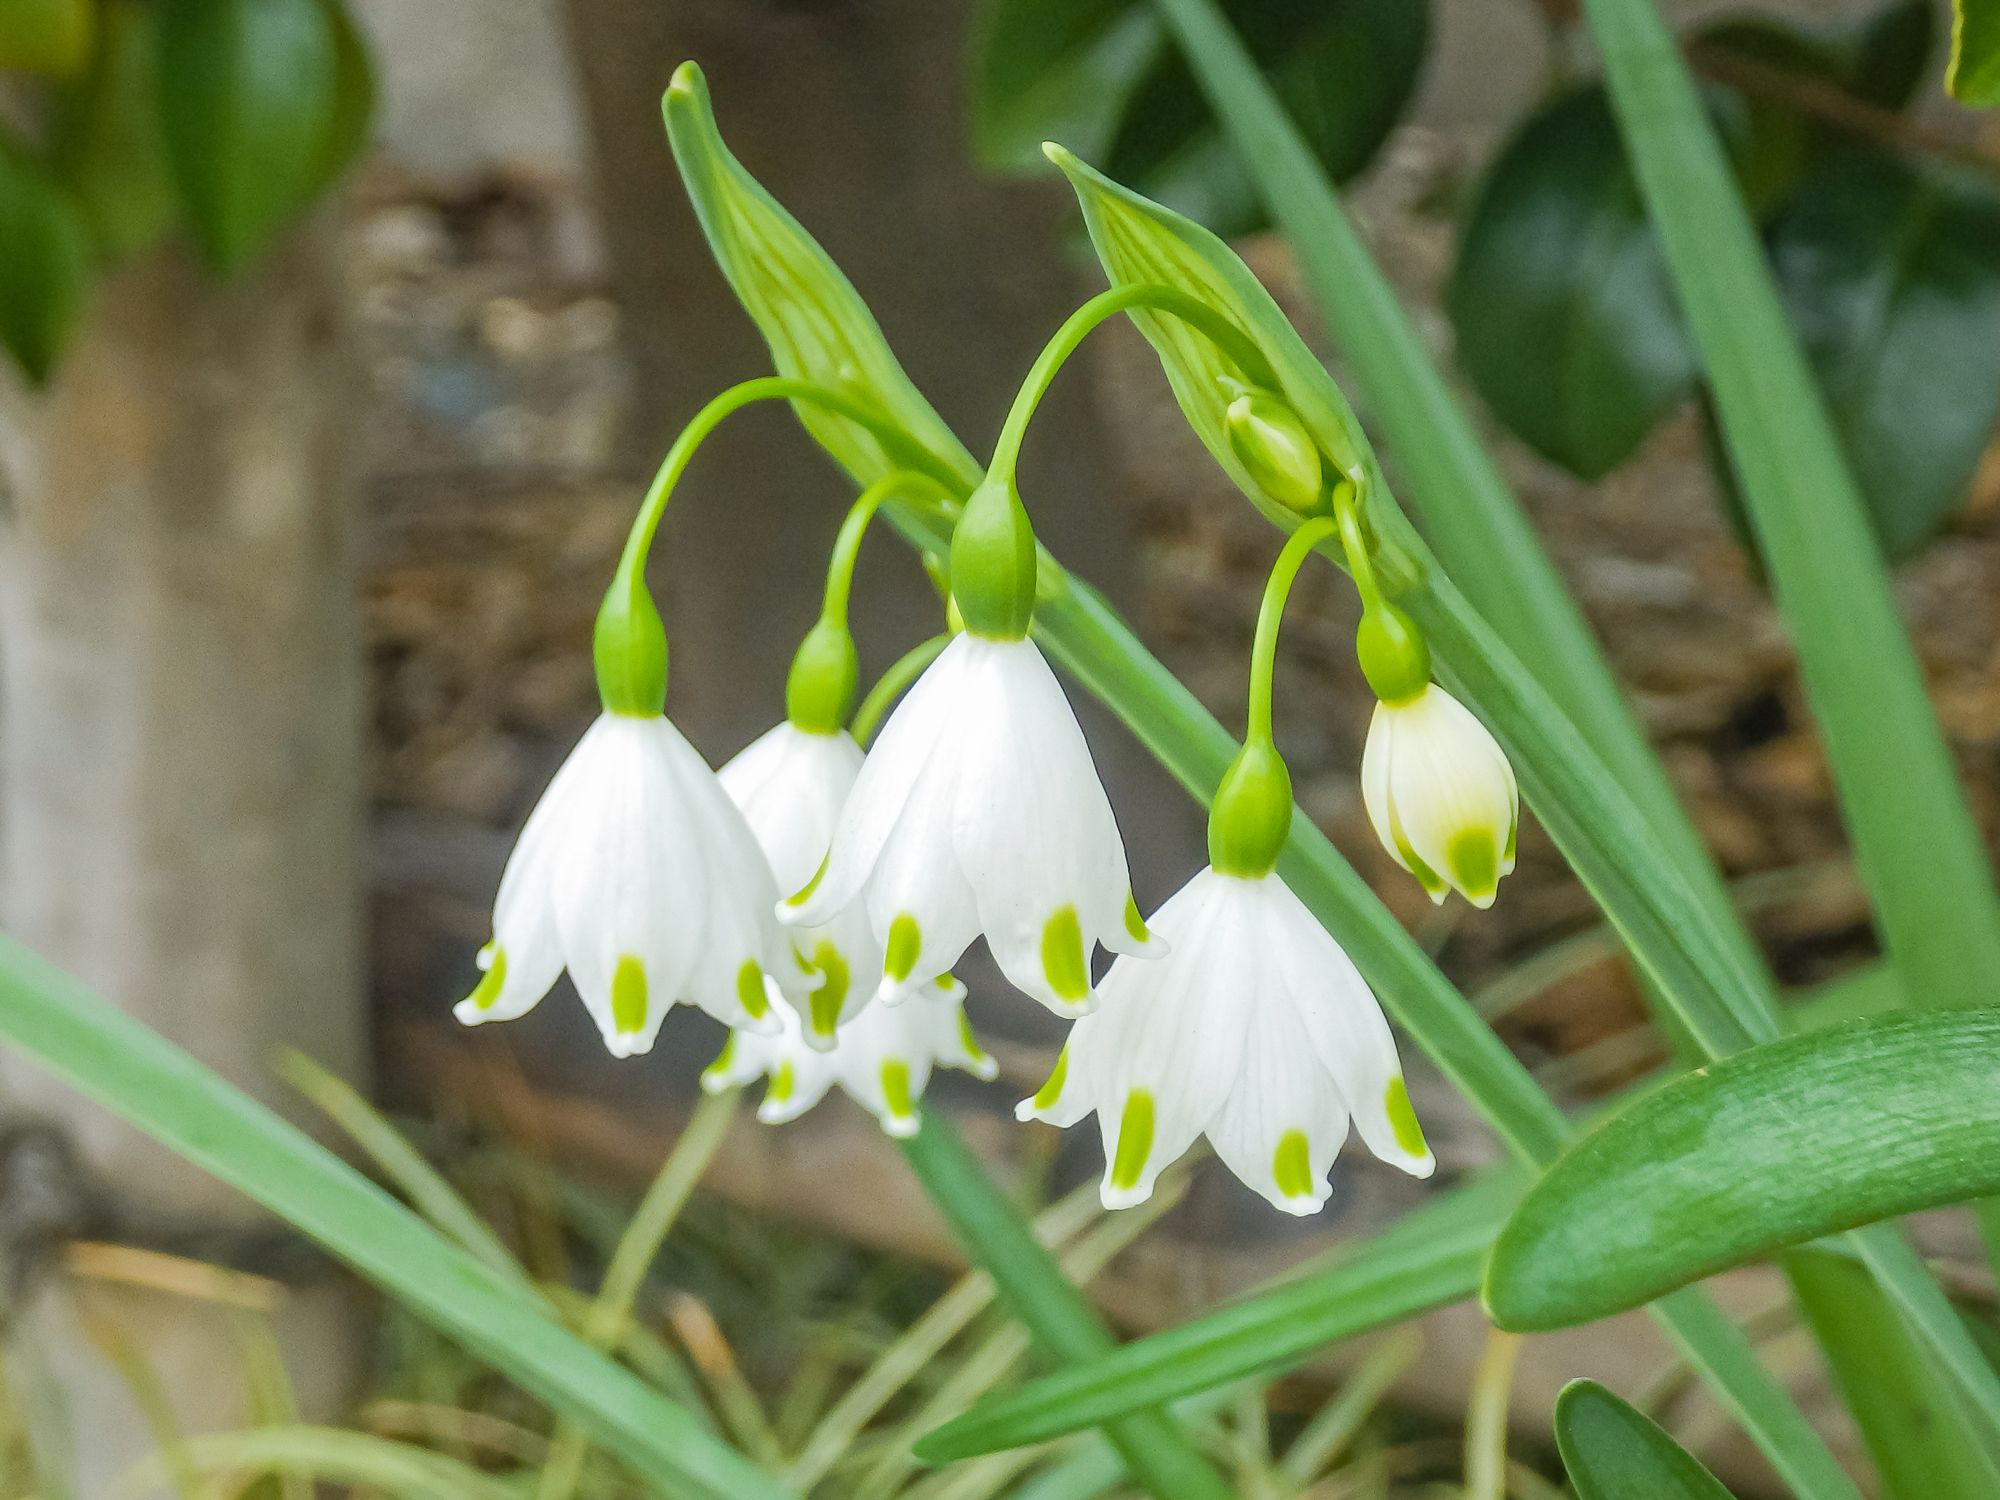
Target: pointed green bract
817	327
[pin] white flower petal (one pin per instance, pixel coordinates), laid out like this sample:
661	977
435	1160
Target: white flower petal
791	786
920	908
1284	1121
888	776
1452	793
1348	1032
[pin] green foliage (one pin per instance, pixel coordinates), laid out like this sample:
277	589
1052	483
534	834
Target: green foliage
1769	1148
1974	73
1569	327
45	262
1100	77
46	36
105	143
1616	1452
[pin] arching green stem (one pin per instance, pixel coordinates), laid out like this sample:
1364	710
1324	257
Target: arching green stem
1264	652
847	545
1227	337
890	686
1347	511
629	645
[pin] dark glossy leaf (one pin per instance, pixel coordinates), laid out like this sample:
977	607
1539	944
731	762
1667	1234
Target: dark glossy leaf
46	36
248	92
1343	70
1768	1148
1430	1258
1098	76
1564	316
1891	277
105	143
1613	1451
1974	74
1053	70
45	263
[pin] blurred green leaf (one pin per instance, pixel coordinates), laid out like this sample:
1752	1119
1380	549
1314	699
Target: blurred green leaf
1430	1258
1766	1149
105	143
1053	70
1974	74
46	36
1098	77
45	263
1615	1452
247	95
1564	316
1891	278
353	110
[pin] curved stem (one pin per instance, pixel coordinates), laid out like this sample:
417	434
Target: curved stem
896	442
906	669
1347	510
1264	652
847	546
1227	337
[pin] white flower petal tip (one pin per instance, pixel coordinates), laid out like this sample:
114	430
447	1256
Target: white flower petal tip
1441	795
638	874
1257	1032
883	1058
979	811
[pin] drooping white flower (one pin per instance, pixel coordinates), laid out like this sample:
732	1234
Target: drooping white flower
1257	1031
883	1058
791	785
637	872
979	810
1441	795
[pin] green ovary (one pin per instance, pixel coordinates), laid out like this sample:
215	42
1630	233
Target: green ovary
1403	1119
1135	1140
1134	923
896	1088
905	943
832	992
1052	1090
1475	863
492	981
1292	1166
628	996
750	989
1062	955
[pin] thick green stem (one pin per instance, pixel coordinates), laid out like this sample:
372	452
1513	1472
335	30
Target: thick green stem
1277	588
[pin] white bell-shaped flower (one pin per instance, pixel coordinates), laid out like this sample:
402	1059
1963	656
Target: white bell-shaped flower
1441	795
791	784
637	872
978	810
1257	1030
883	1058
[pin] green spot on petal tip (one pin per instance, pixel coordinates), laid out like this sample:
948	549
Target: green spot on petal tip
1475	864
1052	1090
1292	1165
492	981
1135	1141
1062	956
1134	923
628	996
781	1083
799	898
750	989
896	1089
905	943
832	992
1402	1118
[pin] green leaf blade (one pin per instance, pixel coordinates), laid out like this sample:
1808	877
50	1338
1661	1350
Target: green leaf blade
247	91
1613	1451
1770	1148
1053	70
105	143
1973	76
45	264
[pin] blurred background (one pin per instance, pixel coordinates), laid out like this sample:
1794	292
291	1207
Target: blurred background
322	429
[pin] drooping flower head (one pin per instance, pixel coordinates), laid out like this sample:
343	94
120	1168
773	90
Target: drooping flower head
1256	1029
883	1058
979	810
635	870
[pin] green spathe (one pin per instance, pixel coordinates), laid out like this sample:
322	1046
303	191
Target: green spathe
993	563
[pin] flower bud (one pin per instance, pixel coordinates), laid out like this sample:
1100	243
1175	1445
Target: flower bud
1270	441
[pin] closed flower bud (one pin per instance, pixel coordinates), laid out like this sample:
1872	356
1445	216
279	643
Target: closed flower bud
1270	441
1441	795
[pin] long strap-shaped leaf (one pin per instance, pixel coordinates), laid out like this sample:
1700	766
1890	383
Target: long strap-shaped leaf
145	1079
